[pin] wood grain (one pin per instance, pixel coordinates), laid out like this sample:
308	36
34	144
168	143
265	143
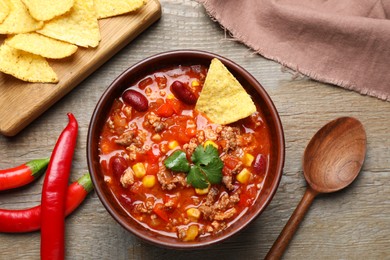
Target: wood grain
351	224
22	102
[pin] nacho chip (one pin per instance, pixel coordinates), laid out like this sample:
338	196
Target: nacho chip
109	8
79	26
41	45
44	10
25	66
19	20
4	10
223	100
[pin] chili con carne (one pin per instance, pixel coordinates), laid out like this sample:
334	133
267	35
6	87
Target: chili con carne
154	162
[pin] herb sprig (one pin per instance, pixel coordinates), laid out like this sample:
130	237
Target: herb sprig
206	168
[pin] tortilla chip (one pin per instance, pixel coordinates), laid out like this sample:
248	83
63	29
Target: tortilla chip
44	10
4	10
223	100
79	26
109	8
25	66
41	45
19	20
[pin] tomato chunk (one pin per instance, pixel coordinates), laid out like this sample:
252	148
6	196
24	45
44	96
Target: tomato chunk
160	211
165	110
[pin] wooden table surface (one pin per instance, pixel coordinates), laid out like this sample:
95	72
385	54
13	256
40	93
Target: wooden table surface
351	224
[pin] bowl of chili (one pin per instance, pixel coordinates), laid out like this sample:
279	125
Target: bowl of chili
164	171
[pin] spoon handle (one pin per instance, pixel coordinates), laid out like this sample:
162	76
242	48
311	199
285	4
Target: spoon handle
289	229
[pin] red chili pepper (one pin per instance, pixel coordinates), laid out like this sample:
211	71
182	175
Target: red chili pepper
54	193
28	220
23	174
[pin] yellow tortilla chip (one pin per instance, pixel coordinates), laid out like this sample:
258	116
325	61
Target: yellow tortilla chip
79	26
44	10
223	100
19	20
25	66
4	10
109	8
41	45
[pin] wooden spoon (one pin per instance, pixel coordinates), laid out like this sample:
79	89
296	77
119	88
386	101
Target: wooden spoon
332	160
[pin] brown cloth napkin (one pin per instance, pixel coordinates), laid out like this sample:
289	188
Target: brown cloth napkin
342	42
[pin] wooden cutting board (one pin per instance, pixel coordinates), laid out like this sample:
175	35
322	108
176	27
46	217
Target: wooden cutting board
21	102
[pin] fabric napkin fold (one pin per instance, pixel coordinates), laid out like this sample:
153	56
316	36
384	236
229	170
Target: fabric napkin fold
341	42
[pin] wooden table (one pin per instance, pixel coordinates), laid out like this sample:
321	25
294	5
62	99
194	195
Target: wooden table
352	224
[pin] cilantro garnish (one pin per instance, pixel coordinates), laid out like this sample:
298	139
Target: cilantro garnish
196	178
206	168
177	162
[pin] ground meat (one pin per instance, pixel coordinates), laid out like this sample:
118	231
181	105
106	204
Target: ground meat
126	138
200	136
210	134
169	204
191	146
220	209
181	233
142	208
225	215
211	196
168	180
155	121
133	139
127	178
228	181
229	135
218	226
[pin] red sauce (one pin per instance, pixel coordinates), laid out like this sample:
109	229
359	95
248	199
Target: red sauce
147	138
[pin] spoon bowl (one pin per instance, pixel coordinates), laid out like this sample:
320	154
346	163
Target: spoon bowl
332	160
334	156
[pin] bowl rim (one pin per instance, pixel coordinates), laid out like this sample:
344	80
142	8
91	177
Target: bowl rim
262	93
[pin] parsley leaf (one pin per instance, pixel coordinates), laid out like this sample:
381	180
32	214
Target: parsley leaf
196	178
177	162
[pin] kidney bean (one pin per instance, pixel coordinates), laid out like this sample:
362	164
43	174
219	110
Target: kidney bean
260	164
136	100
118	165
183	92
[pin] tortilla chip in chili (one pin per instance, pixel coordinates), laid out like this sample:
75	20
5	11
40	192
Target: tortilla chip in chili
223	99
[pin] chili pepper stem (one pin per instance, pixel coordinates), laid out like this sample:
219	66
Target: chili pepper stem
38	166
86	182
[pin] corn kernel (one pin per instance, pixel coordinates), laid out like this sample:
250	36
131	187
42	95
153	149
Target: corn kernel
202	191
243	176
192	233
193	213
173	144
139	170
247	159
195	83
209	142
170	96
148	181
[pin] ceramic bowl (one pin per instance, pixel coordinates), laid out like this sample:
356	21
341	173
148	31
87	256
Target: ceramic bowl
149	65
